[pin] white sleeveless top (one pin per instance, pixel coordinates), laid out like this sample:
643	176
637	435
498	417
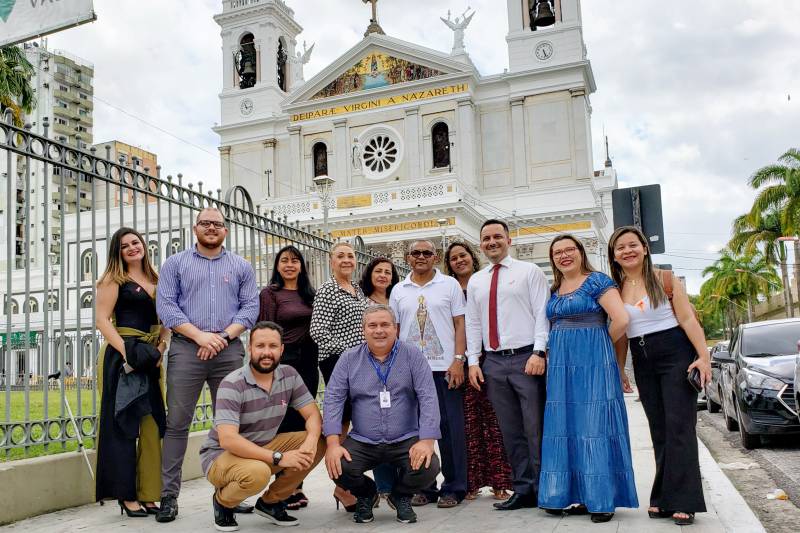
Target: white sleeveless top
646	320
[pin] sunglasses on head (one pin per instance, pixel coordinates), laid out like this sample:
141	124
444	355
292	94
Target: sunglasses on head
427	254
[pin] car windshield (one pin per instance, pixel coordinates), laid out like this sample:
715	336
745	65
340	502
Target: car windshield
774	339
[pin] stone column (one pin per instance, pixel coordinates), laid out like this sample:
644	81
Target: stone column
583	134
413	142
299	181
268	163
515	11
341	154
519	143
225	165
466	141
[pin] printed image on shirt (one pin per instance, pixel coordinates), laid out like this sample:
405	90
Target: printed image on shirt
423	334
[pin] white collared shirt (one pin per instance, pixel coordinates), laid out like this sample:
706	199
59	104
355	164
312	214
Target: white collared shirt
522	295
426	313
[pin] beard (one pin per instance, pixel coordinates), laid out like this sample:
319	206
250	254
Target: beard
210	241
263	369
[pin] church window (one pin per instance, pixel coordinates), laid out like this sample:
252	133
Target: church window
87	265
382	152
320	159
282	57
86	300
440	139
246	63
154	251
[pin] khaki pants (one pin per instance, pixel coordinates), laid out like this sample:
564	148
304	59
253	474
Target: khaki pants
237	479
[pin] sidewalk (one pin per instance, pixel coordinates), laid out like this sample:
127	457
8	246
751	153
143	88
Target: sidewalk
727	511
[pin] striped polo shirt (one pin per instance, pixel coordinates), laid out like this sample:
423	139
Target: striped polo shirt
258	413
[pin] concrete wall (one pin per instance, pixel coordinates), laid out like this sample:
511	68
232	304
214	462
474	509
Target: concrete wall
31	487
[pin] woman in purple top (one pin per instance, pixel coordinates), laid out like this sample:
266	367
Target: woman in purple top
287	301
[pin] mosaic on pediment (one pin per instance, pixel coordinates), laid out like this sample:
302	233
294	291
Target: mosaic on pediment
376	70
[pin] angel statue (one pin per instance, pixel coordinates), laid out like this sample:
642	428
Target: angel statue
299	62
458	26
356	154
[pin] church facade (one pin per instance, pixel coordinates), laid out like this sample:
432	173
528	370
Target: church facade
394	141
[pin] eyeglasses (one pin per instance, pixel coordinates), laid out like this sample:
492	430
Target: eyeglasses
566	251
427	254
209	223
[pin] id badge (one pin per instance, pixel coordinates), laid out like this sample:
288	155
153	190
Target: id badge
386	399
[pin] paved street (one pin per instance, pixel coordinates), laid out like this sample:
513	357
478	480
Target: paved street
727	511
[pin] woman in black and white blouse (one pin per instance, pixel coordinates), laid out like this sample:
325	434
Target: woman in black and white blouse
336	325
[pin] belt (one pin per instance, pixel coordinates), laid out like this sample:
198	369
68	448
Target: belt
176	335
512	351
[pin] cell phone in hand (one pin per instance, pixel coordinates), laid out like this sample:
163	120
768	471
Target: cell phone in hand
694	380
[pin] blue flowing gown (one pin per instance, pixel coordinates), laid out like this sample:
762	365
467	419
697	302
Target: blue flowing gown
586	451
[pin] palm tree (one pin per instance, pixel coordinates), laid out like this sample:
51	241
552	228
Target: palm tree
781	193
759	231
16	92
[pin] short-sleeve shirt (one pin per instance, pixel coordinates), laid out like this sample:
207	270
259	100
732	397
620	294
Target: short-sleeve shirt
242	402
426	316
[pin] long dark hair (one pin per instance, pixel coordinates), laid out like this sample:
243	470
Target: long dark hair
586	266
116	268
304	287
476	264
652	282
366	277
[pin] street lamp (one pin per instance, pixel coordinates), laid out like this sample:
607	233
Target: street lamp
324	185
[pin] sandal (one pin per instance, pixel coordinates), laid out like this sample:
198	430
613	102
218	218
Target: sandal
302	498
683	521
501	494
420	499
660	513
447	501
293	502
472	495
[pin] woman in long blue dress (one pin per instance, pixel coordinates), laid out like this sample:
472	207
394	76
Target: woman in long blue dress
586	453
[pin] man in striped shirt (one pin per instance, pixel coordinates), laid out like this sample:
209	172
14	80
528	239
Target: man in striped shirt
242	451
208	297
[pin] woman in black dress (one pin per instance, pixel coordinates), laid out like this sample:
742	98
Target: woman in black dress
287	301
129	454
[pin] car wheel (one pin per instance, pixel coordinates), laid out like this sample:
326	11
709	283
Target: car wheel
730	422
711	405
749	441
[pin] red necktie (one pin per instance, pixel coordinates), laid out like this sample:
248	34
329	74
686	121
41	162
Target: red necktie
494	338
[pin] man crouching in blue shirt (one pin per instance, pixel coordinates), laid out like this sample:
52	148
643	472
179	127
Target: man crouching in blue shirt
395	417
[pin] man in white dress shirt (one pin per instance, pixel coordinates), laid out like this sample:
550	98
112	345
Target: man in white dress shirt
430	312
506	316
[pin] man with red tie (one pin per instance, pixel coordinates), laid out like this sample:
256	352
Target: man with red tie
506	317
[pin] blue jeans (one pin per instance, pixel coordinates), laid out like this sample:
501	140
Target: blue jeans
385	477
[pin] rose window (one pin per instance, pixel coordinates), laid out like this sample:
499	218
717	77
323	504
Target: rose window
382	153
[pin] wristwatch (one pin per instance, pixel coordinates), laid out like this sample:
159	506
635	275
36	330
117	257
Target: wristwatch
225	335
540	353
276	458
460	357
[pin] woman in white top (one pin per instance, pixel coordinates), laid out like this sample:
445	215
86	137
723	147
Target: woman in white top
667	343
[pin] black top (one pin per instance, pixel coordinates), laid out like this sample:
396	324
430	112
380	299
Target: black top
135	308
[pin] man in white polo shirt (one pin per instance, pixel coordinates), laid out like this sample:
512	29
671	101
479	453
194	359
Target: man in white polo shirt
430	310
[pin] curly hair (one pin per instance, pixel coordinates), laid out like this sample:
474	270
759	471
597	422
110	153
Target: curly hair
476	264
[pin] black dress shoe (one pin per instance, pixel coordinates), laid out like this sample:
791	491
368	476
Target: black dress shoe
168	509
243	508
517	501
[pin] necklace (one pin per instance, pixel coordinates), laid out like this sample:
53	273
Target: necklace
634	282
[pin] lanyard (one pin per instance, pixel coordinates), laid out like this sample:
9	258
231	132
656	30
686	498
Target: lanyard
384	377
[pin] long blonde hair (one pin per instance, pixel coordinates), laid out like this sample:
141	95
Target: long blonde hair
652	282
116	268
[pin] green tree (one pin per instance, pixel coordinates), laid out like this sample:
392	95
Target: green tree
16	92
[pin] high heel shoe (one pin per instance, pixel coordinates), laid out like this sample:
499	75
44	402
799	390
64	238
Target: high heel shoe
348	508
138	513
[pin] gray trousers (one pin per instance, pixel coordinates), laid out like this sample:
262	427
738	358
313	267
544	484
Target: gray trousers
518	400
186	375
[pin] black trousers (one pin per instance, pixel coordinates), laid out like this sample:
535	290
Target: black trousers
302	356
518	400
660	361
368	456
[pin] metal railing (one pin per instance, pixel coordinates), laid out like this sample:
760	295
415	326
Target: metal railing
62	205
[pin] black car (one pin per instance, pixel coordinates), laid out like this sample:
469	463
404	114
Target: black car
757	377
714	387
797	382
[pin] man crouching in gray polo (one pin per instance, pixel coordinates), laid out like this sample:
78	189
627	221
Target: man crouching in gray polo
208	297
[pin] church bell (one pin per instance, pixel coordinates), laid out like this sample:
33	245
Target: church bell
544	14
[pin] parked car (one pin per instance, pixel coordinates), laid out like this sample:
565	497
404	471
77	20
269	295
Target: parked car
714	387
758	396
797	382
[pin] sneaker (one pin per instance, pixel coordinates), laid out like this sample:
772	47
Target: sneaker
168	509
405	514
275	513
224	519
363	513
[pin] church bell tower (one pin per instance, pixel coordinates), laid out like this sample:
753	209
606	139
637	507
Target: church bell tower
258	58
544	33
